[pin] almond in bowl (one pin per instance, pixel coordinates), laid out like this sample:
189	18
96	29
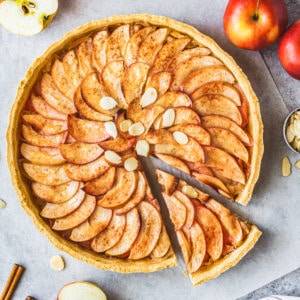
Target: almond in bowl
109	93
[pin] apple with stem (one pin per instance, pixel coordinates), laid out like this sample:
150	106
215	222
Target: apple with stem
255	24
27	17
289	50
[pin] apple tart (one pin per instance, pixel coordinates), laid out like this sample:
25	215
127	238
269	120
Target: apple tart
109	93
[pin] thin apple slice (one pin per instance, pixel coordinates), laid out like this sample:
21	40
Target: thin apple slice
123	188
190	210
226	123
182	71
84	56
149	231
59	210
54	98
60	79
56	193
99	49
212	229
160	136
228	220
173	99
88	112
42	155
167	181
163	245
102	184
129	235
151	45
71	67
92	92
80	153
224	163
87	131
111	235
78	216
224	139
198	133
96	223
217	105
45	126
41	140
133	81
161	81
184	246
112	75
167	53
48	175
174	162
218	87
205	75
138	195
118	145
45	110
87	171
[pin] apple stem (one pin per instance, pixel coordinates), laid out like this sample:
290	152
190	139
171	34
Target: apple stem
255	17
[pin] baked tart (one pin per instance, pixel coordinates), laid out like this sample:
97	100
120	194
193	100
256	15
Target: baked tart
109	93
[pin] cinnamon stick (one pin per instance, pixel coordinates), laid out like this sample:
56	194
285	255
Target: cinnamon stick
12	282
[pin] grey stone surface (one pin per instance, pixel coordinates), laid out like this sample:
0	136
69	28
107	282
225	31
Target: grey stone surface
274	206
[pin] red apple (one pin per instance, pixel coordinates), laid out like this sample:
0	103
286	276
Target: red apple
255	24
289	50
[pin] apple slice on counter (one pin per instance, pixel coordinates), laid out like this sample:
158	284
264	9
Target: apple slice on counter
27	17
81	290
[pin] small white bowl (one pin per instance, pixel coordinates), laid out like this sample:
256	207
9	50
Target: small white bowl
290	130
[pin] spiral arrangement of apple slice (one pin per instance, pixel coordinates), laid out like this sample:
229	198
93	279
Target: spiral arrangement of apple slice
127	91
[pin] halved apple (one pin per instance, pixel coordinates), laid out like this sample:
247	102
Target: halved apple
27	17
71	68
99	49
80	153
84	56
161	81
78	216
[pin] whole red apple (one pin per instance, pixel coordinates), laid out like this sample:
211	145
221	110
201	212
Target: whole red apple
289	50
255	24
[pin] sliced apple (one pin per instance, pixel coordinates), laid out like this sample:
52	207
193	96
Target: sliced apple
48	175
133	80
163	245
174	162
99	49
112	75
71	67
187	67
56	193
78	216
149	232
226	123
129	235
111	235
84	56
224	139
123	188
218	87
184	246
59	210
101	184
217	105
96	223
55	98
161	81
204	75
42	155
80	153
173	99
87	171
87	131
167	52
212	229
167	181
185	55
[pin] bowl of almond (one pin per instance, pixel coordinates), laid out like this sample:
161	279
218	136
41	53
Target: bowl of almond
291	130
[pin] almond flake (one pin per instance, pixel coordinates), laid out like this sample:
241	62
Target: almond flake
142	148
2	203
189	191
148	97
112	157
108	103
111	129
286	167
136	129
180	137
124	125
168	117
131	164
297	164
290	135
57	263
